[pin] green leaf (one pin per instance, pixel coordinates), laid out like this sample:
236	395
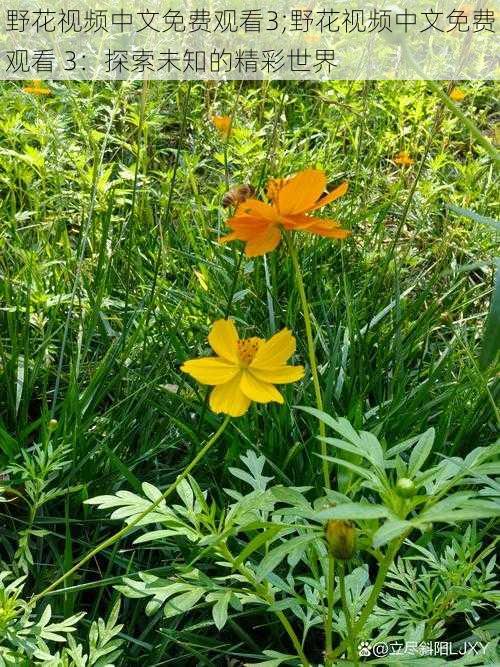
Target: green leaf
472	215
219	610
470	510
389	531
491	335
182	603
421	451
353	511
267	536
274	557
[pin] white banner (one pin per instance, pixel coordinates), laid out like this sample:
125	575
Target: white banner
253	40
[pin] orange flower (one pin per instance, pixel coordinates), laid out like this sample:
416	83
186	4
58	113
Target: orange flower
457	95
260	224
223	124
37	89
403	158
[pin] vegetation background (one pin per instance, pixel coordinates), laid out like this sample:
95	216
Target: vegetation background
111	273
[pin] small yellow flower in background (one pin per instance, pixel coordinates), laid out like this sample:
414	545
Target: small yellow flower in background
37	88
244	370
223	124
260	224
457	95
403	157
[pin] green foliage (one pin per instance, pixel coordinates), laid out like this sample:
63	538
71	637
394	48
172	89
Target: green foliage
110	274
26	638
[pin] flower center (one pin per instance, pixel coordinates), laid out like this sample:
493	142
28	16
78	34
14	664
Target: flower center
247	349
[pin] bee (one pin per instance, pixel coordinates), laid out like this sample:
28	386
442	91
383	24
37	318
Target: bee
238	195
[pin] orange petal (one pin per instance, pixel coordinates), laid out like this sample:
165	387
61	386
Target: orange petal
332	196
328	228
302	192
262	243
255	209
303	222
246	227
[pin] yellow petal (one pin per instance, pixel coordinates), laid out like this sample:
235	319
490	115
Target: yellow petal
210	370
256	390
279	375
223	339
229	399
275	351
301	193
263	243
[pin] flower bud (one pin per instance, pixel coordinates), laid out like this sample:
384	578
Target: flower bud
405	488
52	425
341	538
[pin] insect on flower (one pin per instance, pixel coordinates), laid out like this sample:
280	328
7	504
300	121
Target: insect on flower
238	195
244	370
260	224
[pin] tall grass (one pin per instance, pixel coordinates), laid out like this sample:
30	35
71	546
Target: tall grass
110	273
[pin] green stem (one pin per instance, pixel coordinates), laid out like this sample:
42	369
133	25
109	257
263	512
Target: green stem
127	529
329	615
261	590
348	619
383	569
311	351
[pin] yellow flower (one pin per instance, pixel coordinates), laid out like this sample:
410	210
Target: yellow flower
37	89
223	124
403	158
244	370
457	95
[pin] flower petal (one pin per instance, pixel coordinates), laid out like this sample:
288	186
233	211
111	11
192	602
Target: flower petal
264	242
223	339
328	228
256	390
275	351
210	370
302	221
246	227
229	399
279	375
301	193
332	196
255	208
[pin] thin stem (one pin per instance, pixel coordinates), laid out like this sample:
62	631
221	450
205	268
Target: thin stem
261	590
329	615
347	614
311	351
127	529
383	569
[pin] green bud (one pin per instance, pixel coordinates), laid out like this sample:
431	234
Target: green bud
405	488
341	538
52	425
